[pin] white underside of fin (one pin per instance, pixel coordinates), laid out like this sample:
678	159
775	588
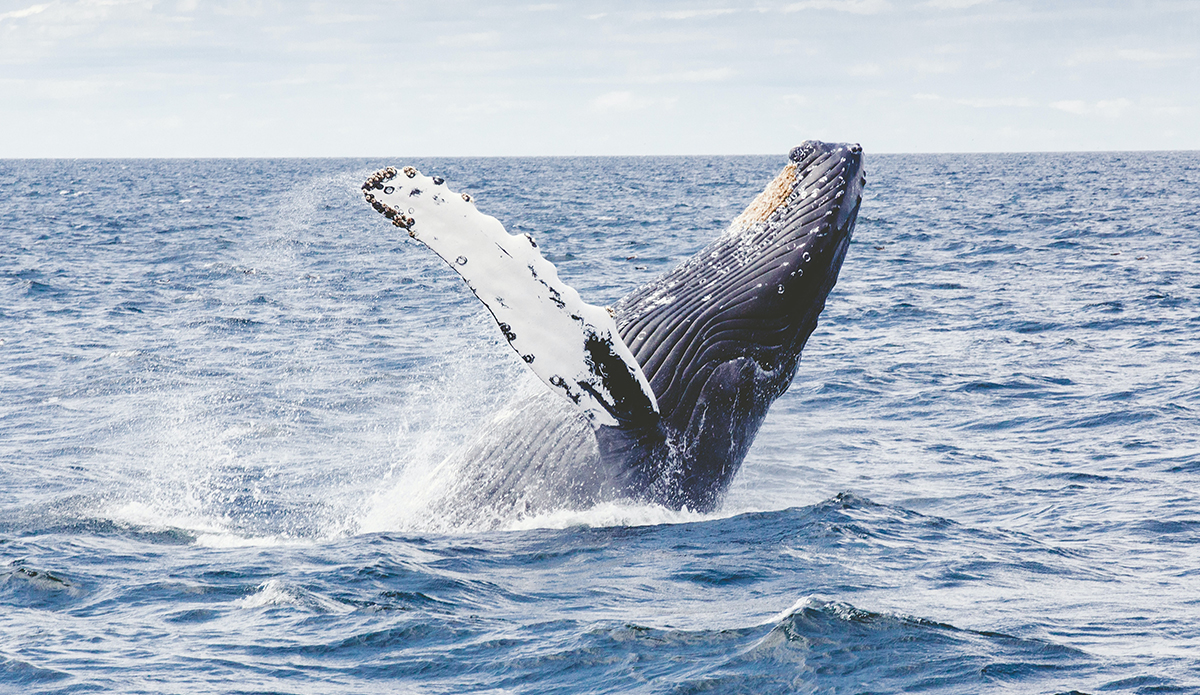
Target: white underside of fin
556	333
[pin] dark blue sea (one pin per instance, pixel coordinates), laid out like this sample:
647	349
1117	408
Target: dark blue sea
226	387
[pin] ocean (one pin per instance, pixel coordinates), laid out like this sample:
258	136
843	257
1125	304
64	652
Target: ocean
226	387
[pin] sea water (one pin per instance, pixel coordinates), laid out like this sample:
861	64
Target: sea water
226	387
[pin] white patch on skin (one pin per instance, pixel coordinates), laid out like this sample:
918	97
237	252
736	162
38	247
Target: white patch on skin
543	318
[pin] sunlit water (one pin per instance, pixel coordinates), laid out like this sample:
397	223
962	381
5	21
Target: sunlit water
225	387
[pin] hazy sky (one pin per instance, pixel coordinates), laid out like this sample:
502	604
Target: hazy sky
135	78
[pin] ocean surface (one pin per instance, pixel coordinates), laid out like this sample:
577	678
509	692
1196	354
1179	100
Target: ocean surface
226	387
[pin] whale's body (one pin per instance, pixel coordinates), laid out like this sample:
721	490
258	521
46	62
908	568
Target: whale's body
677	392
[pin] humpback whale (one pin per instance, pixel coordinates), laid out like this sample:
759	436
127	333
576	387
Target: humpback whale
658	398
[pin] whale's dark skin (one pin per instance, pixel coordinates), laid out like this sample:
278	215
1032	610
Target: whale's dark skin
719	339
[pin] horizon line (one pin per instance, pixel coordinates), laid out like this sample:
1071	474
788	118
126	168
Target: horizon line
572	156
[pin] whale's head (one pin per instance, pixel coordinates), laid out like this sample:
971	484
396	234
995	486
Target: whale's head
719	337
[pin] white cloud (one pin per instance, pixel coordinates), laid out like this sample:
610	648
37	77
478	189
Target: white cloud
691	14
58	90
1071	106
21	14
953	4
241	8
1131	55
864	70
690	76
851	6
1110	108
1141	55
980	102
479	38
997	103
486	107
628	101
934	67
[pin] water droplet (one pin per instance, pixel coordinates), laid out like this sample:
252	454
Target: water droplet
461	260
780	289
806	257
389	189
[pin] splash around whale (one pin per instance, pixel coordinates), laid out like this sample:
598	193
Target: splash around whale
658	398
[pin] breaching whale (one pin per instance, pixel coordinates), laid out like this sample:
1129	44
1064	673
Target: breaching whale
660	396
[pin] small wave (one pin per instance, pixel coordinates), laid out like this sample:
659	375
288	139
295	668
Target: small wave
274	592
834	638
17	672
26	586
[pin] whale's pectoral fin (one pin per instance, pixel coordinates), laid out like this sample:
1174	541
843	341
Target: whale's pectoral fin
571	345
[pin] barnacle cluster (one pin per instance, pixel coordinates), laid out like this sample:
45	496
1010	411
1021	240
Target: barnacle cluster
378	182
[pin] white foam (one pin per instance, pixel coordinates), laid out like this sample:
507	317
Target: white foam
609	514
810	601
275	592
233	540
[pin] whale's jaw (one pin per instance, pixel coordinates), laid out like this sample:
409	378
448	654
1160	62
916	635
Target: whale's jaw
720	337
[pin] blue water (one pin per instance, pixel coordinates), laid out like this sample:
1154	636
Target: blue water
226	387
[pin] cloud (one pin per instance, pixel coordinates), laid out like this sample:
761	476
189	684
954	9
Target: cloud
1131	55
241	8
981	102
690	76
953	4
864	70
1110	108
21	14
933	67
627	101
59	90
478	38
690	14
1141	55
851	6
998	103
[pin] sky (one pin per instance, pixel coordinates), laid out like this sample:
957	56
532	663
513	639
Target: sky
257	78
